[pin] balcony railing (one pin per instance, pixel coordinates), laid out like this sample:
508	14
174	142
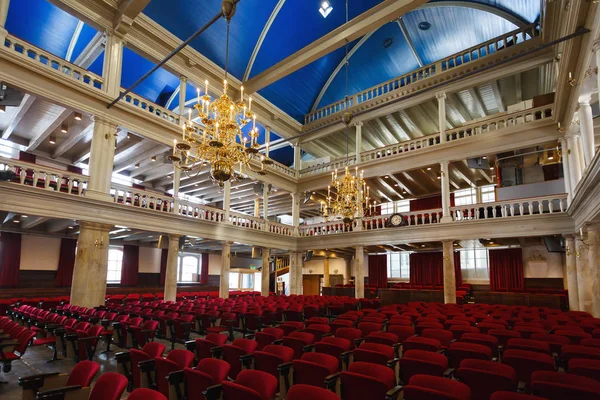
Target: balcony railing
281	229
49	61
43	177
474	212
406	83
491	124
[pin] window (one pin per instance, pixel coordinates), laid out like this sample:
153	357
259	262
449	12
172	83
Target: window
247	282
399	206
488	194
234	280
465	197
188	268
243	279
115	265
474	263
399	265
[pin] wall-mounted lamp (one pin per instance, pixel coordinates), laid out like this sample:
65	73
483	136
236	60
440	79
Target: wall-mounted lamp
99	243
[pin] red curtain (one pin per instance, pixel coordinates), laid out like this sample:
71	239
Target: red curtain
131	265
66	263
204	269
506	270
10	259
457	271
378	270
429	203
163	265
426	269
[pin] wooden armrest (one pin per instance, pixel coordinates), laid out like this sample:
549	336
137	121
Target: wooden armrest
123	356
57	394
331	380
213	392
449	373
33	382
392	363
146	365
190	345
217	351
358	341
308	348
278	341
9	343
246	360
393	393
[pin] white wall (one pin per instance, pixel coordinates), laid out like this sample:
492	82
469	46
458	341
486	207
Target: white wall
531	190
39	253
150	260
539	263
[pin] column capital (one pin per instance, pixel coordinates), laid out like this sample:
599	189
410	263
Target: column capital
596	46
183	78
267	128
115	35
104	121
173	237
97	226
441	95
446	241
358	124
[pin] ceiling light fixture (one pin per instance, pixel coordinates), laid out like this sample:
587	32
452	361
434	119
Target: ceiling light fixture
77	116
137	165
428	168
23	216
484	157
52	140
2	108
424	26
325	9
153	158
128	135
16	221
64	128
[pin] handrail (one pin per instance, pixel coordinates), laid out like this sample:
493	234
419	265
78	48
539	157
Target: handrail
495	122
50	61
455	60
141	198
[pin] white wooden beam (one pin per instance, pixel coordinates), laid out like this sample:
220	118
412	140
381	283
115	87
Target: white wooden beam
91	51
498	96
154	151
26	103
32	222
75	135
350	31
52	125
58	225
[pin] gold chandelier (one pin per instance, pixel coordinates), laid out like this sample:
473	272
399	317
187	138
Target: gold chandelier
347	197
220	143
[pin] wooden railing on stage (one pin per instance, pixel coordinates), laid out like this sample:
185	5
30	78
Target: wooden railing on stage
402	296
518	299
339	291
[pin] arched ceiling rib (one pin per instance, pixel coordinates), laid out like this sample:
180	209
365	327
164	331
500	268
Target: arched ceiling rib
502	13
262	37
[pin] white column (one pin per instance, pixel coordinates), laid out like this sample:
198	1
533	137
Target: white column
584	278
257	207
586	122
265	204
171	270
596	50
449	273
296	212
478	195
88	288
182	96
113	63
445	179
3	14
359	276
442	115
265	272
579	143
225	266
573	159
176	182
326	282
571	272
566	172
102	156
593	240
226	199
296	264
358	140
297	158
348	268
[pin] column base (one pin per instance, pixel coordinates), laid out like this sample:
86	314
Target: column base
446	219
92	194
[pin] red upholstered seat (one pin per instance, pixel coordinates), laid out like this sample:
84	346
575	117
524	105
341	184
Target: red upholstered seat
333	346
444	336
251	385
558	386
204	346
585	367
386	338
232	353
503	335
402	332
526	362
590	342
426	387
291	326
340	323
150	351
421	343
304	392
297	341
502	395
574	336
367	327
176	360
486	377
83	373
208	372
556	342
459	351
271	357
146	394
374	353
459	330
268	336
577	351
318	330
313	368
110	386
416	362
366	381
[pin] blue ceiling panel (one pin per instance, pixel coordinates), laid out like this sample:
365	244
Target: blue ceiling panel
97	65
298	24
156	86
452	30
373	63
529	10
41	24
296	93
184	17
284	155
86	35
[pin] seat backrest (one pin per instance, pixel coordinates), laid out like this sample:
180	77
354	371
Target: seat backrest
486	377
215	368
444	336
366	381
249	346
433	387
183	358
313	368
154	349
146	394
261	383
303	392
526	362
83	373
556	386
416	362
109	386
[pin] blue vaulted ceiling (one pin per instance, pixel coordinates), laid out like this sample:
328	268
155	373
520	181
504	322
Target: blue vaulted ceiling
455	25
